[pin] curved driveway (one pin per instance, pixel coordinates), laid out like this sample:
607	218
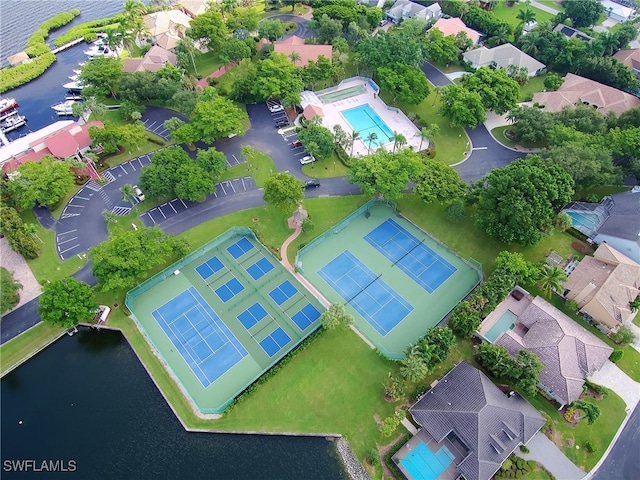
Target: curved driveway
302	27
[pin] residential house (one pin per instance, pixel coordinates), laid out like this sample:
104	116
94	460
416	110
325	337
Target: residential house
501	57
603	286
155	59
631	58
567	350
167	28
63	140
615	221
193	8
571	32
305	51
617	12
453	26
579	90
403	9
468	425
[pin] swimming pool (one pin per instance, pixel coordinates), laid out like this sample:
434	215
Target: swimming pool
584	221
422	464
504	323
365	120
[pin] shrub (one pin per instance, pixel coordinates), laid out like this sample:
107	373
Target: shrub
568	414
518	473
623	336
571	305
591	447
520	463
308	225
524	449
616	355
20	74
373	457
455	212
389	425
506	465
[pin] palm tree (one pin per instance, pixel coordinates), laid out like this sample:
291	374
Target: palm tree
294	57
594	48
352	140
227	6
609	43
398	140
526	16
128	194
551	279
529	43
370	138
500	36
426	133
635	304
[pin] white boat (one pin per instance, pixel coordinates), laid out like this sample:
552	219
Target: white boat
74	78
64	108
12	123
73	97
7	113
99	50
77	71
7	104
73	86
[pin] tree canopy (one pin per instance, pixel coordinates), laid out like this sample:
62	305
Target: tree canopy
42	183
405	82
128	257
321	139
67	302
518	203
283	190
16	232
9	296
102	75
583	13
210	28
212	119
498	92
112	135
587	164
386	174
462	107
439	183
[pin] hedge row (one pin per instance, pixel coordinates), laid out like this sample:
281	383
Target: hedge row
84	29
36	45
20	74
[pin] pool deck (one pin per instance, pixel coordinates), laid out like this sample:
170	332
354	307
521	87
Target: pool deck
509	303
451	473
395	119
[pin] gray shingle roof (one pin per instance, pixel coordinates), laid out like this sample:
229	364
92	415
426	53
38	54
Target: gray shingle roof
568	351
491	424
624	216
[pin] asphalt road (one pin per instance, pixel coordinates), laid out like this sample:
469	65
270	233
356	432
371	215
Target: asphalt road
487	154
623	462
302	29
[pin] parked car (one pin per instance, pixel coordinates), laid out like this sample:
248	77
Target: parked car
311	184
282	123
276	108
296	144
138	192
307	159
383	22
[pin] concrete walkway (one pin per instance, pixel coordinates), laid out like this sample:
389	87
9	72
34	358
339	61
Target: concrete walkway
544	451
635	329
612	377
545	8
17	265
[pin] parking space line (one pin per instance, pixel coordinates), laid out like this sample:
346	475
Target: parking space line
68	249
73	205
125	172
160	210
66	241
81	198
68	231
243	185
131	165
150	125
151	217
222	187
232	187
185	205
174	210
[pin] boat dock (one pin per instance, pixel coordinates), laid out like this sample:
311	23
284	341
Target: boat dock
72	43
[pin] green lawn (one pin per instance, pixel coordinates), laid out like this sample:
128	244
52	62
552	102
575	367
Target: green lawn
326	168
599	191
499	135
612	410
48	266
26	345
508	14
258	165
467	240
206	64
452	142
534	85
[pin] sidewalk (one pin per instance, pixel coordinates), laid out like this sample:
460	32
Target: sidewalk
544	8
17	265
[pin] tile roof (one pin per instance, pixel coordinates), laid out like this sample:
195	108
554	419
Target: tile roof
404	9
490	423
568	351
630	57
306	51
502	56
576	89
453	26
155	59
604	284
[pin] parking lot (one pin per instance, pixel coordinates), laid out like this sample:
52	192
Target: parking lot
167	210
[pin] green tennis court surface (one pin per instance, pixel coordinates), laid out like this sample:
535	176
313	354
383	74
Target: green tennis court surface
222	316
394	278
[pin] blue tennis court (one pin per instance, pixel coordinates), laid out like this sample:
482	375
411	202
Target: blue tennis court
372	298
275	341
229	290
422	464
203	340
283	292
305	316
239	248
208	268
252	315
412	256
260	268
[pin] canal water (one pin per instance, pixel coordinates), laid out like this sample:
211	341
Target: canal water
87	403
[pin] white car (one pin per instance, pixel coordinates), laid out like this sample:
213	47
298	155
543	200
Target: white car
276	108
307	159
138	193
